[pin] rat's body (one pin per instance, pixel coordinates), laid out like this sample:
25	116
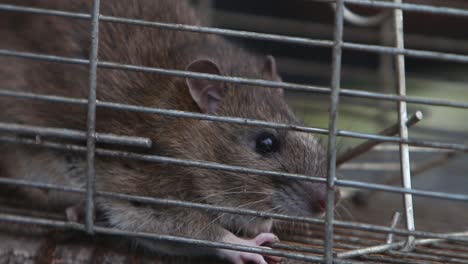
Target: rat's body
253	147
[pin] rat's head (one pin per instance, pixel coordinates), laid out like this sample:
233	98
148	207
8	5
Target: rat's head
254	147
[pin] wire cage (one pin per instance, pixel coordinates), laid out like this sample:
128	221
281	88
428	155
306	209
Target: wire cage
329	240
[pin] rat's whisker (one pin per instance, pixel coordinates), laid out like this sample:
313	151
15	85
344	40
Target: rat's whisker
229	193
346	210
223	214
265	211
216	194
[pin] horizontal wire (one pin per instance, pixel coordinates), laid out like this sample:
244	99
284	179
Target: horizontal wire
43	11
238	80
442	10
233	120
73	134
391	245
411	7
247	34
236	169
231	210
153	236
362	148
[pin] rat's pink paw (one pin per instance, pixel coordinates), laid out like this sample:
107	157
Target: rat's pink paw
238	257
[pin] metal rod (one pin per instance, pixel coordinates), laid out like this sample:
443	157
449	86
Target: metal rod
289	26
394	223
232	120
250	35
370	3
74	135
43	11
153	236
364	21
390	246
366	146
430	241
434	237
239	80
237	169
425	257
91	123
172	26
355	251
403	128
411	7
333	130
412	149
369	166
421	54
369	250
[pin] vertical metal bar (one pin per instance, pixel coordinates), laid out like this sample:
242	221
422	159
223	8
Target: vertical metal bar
333	130
394	223
91	133
402	118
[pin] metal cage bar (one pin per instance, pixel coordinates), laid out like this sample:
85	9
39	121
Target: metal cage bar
72	134
234	120
432	237
245	34
239	80
403	128
333	130
91	123
237	169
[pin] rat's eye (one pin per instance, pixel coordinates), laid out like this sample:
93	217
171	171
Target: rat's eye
266	143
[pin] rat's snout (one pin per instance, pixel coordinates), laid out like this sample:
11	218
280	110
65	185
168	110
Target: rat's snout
317	196
304	198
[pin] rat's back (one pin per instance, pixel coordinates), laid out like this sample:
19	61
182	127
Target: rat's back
71	38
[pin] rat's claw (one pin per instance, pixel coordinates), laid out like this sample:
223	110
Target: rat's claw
265	239
238	257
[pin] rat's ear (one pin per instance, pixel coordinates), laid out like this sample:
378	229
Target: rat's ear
271	70
270	66
207	94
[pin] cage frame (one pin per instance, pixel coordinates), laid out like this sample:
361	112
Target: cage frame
335	91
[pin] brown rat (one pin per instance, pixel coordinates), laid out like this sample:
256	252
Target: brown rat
252	147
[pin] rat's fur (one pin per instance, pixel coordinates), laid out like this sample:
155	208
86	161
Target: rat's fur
182	138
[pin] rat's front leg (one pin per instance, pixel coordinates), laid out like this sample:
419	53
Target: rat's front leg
239	257
184	222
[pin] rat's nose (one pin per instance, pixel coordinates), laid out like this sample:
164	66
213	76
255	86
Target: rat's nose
318	195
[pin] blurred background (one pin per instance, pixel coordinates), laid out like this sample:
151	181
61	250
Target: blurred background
432	169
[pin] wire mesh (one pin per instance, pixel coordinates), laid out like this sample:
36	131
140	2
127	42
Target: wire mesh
341	239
